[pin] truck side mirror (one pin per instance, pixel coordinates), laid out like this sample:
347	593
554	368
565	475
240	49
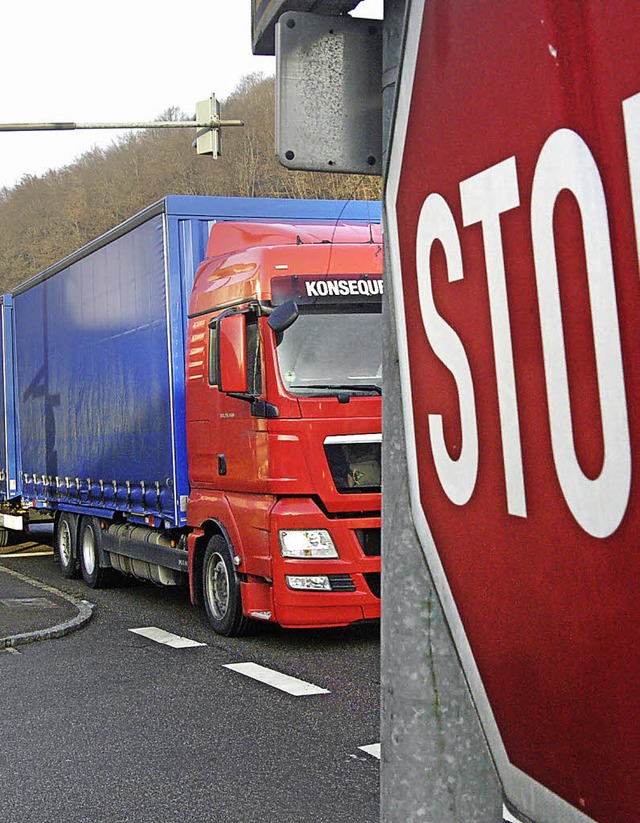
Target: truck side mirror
282	317
232	352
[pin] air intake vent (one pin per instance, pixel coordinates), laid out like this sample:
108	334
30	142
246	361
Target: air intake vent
341	583
369	540
372	580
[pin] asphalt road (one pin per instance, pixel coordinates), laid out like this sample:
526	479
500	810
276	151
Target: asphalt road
109	725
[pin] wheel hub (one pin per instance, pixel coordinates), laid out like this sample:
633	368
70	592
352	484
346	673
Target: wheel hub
218	586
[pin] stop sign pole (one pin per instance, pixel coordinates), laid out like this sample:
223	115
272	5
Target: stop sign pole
513	213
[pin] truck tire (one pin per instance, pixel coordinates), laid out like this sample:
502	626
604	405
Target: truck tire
66	548
4	538
221	590
90	542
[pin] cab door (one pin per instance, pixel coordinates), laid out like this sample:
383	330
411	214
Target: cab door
222	432
201	401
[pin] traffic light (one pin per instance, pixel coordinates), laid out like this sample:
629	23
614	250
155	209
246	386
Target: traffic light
208	138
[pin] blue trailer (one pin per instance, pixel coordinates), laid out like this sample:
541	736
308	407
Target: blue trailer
9	485
100	359
93	393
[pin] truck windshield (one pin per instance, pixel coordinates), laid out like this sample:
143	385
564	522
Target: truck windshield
329	351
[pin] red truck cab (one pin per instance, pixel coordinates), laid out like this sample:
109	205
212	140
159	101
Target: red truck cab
283	394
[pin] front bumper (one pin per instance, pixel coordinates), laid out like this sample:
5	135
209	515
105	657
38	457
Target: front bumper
354	576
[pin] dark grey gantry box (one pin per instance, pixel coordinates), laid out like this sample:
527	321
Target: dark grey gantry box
265	14
329	93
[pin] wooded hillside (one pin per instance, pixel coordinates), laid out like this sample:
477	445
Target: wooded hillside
44	218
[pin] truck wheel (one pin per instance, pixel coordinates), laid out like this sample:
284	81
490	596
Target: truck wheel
4	538
221	590
65	544
90	541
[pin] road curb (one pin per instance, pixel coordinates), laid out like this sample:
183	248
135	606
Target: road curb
85	613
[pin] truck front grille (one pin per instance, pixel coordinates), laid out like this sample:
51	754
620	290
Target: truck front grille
354	462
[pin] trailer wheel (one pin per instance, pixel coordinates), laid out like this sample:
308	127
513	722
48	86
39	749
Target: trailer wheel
93	574
221	590
65	544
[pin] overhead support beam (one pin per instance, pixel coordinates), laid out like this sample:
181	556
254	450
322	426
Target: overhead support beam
208	124
156	124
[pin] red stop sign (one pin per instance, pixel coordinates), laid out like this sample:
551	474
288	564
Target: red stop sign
514	215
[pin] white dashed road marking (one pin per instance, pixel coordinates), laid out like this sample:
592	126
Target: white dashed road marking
373	749
168	639
284	682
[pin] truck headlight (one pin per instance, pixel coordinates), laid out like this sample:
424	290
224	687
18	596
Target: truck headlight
314	543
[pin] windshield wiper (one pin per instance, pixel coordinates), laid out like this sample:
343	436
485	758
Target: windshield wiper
340	388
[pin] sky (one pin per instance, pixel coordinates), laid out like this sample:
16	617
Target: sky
120	61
